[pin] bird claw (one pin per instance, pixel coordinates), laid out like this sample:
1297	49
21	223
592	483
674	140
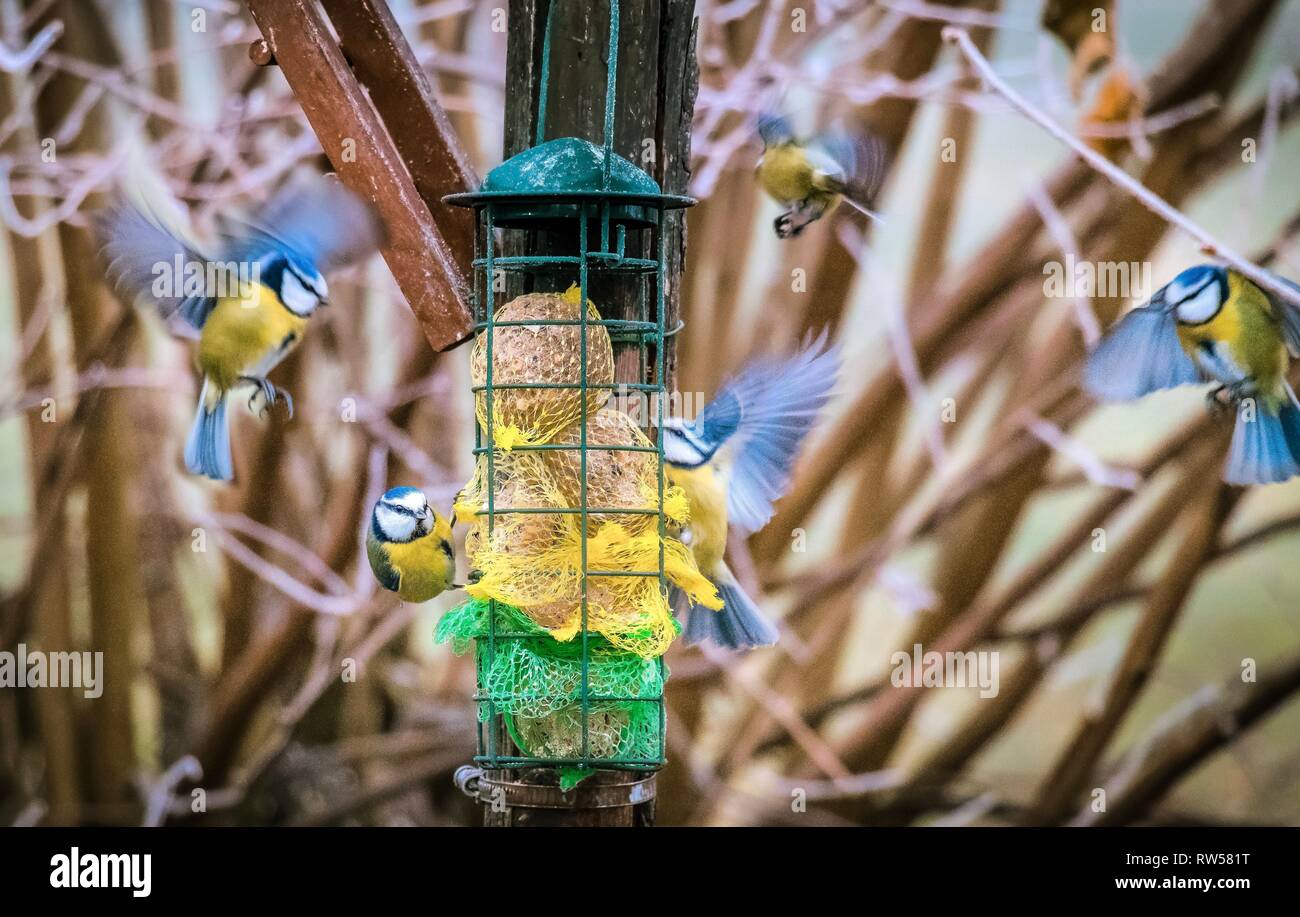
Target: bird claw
1215	402
270	394
793	222
1228	397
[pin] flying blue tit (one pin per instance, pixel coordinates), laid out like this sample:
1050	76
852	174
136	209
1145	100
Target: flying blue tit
248	303
733	462
409	546
811	176
1212	324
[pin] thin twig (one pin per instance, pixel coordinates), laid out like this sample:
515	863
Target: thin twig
159	794
851	786
307	559
1153	124
900	341
96	378
290	586
781	710
918	9
20	60
1210	719
1093	468
1117	176
1059	229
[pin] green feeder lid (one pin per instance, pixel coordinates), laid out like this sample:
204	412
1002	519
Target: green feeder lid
549	182
565	165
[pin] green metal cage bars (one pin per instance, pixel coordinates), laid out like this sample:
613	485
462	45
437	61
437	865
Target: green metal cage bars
599	202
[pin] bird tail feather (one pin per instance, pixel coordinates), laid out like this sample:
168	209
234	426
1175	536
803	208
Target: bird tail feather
1266	443
864	210
207	452
740	625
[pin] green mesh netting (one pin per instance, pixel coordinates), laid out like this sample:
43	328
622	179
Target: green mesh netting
535	682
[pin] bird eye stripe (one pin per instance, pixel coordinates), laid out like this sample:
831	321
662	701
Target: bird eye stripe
307	283
695	440
1182	294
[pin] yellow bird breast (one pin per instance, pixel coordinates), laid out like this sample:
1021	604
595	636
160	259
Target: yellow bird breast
424	568
247	336
706	491
785	173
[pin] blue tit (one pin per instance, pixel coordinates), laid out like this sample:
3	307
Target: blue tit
811	176
409	546
1212	324
733	462
248	304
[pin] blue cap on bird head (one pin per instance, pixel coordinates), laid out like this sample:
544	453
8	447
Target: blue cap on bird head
774	129
1196	294
398	494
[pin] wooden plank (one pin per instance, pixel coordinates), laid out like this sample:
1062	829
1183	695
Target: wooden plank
384	62
678	86
367	161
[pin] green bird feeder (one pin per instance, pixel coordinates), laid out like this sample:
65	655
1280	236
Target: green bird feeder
569	212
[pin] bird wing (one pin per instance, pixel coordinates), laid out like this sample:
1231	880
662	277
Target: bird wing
764	414
139	253
316	219
852	166
774	129
1141	354
384	571
1288	315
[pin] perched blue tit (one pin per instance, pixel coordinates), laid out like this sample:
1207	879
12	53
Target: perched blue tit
733	462
811	176
409	546
1212	324
249	303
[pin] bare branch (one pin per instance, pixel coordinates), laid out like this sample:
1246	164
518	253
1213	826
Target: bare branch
1153	202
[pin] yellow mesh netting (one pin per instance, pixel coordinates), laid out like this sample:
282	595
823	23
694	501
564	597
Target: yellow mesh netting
533	561
548	354
625	480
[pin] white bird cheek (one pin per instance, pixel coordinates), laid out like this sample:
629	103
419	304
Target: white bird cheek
395	526
297	297
1200	308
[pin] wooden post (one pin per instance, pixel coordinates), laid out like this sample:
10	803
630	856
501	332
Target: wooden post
657	79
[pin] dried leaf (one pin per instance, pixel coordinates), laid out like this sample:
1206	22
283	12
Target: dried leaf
1119	100
1086	28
